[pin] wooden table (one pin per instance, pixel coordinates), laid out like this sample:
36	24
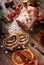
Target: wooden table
5	55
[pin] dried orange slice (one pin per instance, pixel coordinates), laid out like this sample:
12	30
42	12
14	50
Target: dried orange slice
21	57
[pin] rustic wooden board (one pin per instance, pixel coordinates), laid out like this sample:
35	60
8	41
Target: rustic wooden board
5	58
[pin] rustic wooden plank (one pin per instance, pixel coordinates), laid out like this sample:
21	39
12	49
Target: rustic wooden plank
5	58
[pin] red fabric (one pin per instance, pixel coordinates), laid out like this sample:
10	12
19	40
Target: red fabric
36	62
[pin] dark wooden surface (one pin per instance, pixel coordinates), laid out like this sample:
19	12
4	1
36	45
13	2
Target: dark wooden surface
5	55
